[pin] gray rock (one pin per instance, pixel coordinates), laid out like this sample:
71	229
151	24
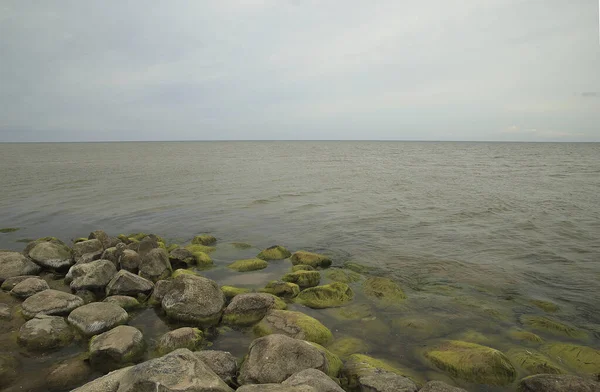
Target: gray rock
314	378
161	288
86	251
116	348
9	369
91	276
276	388
274	358
53	255
28	287
181	258
5	312
101	236
221	362
438	386
185	337
10	283
155	265
130	260
126	283
50	302
68	374
386	382
248	309
45	333
108	383
14	264
145	245
123	301
112	254
97	317
194	299
557	383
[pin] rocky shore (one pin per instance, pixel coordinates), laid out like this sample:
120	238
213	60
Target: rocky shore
86	292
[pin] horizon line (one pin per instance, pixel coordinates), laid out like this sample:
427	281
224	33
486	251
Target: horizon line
297	140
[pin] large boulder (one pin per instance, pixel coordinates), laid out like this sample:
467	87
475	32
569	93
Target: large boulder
303	278
11	282
50	253
438	386
68	374
582	358
557	383
28	287
119	347
533	362
326	296
276	252
45	333
97	317
101	236
384	290
274	358
315	260
86	251
231	291
92	276
282	289
293	324
126	283
185	337
248	309
313	378
248	265
181	258
155	265
14	264
130	260
50	302
221	362
472	362
194	299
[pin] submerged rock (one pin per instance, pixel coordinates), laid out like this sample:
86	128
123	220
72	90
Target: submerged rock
438	386
315	260
14	264
119	347
274	358
302	267
68	374
293	324
282	289
231	291
557	383
181	258
581	358
276	388
525	336
185	337
552	326
200	250
327	296
204	239
313	378
356	267
384	290
5	312
126	283
43	333
50	253
91	276
275	252
155	265
124	301
248	265
11	282
50	302
248	309
472	362
344	275
344	347
221	362
193	299
533	362
546	306
9	369
97	317
28	287
359	371
86	251
303	278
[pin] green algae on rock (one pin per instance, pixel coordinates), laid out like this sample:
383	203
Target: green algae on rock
346	346
241	245
303	278
204	239
384	290
231	291
421	327
344	275
472	362
183	271
546	306
353	312
9	230
533	362
281	289
293	324
315	260
583	359
185	337
524	336
360	365
276	252
197	248
552	326
356	267
248	265
302	267
326	296
334	362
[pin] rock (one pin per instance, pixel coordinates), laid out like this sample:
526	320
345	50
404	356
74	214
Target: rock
124	301
43	333
112	254
274	358
282	289
552	326
583	359
293	324
221	362
313	378
10	283
557	383
9	369
344	347
386	382
248	265
275	252
14	264
155	265
302	267
343	275
194	299
525	336
52	254
126	283
101	236
91	276
130	260
356	267
50	302
204	239
303	278
546	306
161	288
231	291
326	296
241	245
108	383
144	246
68	374
28	287
315	260
5	312
119	347
438	386
97	317
182	258
248	309
86	295
91	249
472	362
185	337
533	362
275	388
200	251
384	290
360	371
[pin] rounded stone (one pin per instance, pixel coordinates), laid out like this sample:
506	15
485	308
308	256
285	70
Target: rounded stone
313	378
315	260
185	337
45	333
155	265
52	255
247	309
119	347
14	264
126	283
50	302
97	317
28	287
123	301
221	362
130	260
295	325
94	275
68	374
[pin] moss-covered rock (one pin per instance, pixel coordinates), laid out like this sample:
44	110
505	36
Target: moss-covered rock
171	247
9	369
360	365
315	260
303	278
353	312
248	265
326	296
116	348
204	239
78	240
281	289
420	327
356	267
248	309
182	271
546	306
334	362
343	275
555	327
136	236
124	301
384	290
241	245
45	333
276	252
524	336
185	337
197	248
533	362
472	362
231	291
182	258
344	347
302	267
580	358
293	324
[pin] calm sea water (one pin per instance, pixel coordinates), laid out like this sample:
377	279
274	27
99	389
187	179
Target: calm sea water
501	222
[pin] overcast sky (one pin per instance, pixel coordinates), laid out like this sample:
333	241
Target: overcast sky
300	69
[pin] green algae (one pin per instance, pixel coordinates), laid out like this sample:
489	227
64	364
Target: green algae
9	229
276	252
204	239
293	324
360	365
182	271
171	247
231	291
552	326
197	248
281	289
241	245
343	275
353	312
356	267
524	336
334	363
546	306
533	362
80	239
302	267
582	359
346	346
248	265
326	296
315	260
384	290
303	278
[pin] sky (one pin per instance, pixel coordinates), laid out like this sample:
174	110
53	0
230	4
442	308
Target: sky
506	70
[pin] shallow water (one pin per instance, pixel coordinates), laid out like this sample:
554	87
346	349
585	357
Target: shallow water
471	231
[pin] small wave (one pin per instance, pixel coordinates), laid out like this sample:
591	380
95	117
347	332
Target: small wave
261	202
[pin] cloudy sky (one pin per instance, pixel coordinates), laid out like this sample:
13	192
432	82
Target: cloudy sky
300	69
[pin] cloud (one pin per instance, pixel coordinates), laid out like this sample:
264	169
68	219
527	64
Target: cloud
590	94
540	134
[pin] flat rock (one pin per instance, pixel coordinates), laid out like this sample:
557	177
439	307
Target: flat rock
248	309
386	382
185	337
313	378
557	383
97	317
14	264
45	333
117	348
50	302
221	362
91	276
10	283
53	255
28	287
126	283
438	386
193	299
293	324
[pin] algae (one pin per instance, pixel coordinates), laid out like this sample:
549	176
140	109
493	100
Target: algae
302	267
281	289
293	324
248	265
303	278
533	362
346	346
231	291
583	359
9	229
384	290
315	260
204	239
275	252
546	306
326	296
552	326
343	275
